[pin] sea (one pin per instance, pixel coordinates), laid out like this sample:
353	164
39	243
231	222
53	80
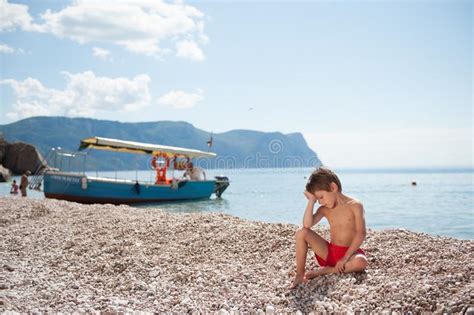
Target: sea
441	203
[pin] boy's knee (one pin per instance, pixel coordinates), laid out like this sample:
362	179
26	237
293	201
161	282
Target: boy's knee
360	262
302	232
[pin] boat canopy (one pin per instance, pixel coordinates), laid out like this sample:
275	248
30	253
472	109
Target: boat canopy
140	148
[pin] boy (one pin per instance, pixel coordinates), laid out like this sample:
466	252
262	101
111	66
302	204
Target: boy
347	227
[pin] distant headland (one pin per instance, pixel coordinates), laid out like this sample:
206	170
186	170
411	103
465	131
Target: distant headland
235	148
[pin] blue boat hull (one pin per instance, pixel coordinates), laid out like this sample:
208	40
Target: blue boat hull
79	188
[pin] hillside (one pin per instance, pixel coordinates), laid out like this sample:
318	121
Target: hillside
235	149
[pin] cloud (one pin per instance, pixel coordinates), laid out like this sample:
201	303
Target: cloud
139	26
101	53
5	49
180	99
15	15
85	94
189	49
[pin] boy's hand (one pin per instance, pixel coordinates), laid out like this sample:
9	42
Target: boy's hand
340	265
309	196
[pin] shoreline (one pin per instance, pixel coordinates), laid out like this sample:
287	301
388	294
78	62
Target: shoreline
63	256
40	196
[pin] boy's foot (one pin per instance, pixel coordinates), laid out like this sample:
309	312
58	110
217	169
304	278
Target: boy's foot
297	281
316	273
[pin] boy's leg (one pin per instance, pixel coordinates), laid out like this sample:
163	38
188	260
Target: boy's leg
319	245
305	237
356	263
320	272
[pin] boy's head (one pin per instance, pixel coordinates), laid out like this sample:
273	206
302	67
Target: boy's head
321	179
324	185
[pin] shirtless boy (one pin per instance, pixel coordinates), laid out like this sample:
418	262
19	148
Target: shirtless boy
347	227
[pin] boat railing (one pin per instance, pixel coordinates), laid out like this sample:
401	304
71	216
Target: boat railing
66	161
36	179
54	160
74	162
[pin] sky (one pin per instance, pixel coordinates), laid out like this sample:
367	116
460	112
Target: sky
369	84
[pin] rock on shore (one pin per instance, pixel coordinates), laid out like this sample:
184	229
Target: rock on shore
62	256
20	157
5	174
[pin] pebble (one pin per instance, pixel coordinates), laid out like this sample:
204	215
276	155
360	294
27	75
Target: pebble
269	309
396	306
186	301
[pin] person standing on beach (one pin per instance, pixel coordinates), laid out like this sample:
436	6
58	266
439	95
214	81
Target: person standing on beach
347	228
24	183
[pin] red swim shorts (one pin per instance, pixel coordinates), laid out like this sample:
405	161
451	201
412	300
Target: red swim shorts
335	253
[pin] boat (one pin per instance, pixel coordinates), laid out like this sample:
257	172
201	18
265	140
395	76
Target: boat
84	188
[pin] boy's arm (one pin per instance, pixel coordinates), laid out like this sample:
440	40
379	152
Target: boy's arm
310	219
308	215
359	237
318	215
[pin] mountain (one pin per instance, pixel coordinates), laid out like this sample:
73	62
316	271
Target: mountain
235	149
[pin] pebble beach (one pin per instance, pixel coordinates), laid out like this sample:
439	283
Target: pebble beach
58	256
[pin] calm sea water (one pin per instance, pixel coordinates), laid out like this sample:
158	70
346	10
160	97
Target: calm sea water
442	203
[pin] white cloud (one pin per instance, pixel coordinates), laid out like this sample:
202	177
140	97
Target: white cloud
189	49
140	26
5	49
180	99
85	94
14	15
101	53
